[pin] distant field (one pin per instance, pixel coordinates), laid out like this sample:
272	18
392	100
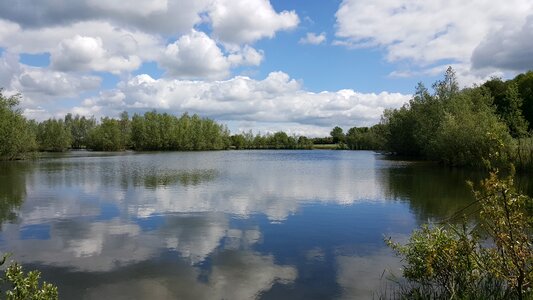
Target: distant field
325	146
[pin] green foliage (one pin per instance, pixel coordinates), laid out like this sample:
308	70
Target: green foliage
337	134
507	218
278	140
493	259
323	140
514	96
440	260
22	286
401	126
17	138
79	129
511	111
125	129
107	136
53	135
156	131
364	138
239	142
525	87
26	286
456	127
470	133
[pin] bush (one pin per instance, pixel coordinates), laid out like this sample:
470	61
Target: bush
493	259
24	286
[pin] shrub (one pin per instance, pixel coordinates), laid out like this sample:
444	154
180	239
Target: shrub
492	259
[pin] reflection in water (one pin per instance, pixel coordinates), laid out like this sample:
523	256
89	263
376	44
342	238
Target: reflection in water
12	189
232	275
156	179
358	277
438	193
432	192
212	225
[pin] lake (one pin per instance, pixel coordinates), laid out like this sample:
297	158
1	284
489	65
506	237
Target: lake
219	225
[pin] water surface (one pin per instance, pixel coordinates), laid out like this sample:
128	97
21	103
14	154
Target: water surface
219	225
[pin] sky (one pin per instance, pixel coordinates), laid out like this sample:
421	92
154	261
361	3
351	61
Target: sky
295	65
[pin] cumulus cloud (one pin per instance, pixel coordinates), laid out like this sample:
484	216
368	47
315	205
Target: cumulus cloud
508	48
117	42
235	21
96	35
246	21
82	53
313	38
426	32
41	83
196	55
275	99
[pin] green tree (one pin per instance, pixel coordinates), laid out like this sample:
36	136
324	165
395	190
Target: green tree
471	134
125	129
364	138
448	87
525	87
456	127
401	126
79	129
53	135
156	131
511	111
107	136
17	138
337	134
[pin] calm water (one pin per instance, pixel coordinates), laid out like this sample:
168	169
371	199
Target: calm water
218	225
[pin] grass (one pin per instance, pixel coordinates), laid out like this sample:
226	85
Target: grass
325	146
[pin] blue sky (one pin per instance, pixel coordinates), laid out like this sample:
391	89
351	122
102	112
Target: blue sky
299	66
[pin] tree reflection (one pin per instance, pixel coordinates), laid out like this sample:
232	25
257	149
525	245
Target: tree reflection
433	192
156	178
12	189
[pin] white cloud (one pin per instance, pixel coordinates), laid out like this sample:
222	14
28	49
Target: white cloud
40	81
41	84
313	38
426	32
196	55
246	56
117	41
275	99
82	53
246	21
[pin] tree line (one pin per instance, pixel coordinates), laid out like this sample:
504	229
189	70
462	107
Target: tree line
488	124
482	125
150	131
